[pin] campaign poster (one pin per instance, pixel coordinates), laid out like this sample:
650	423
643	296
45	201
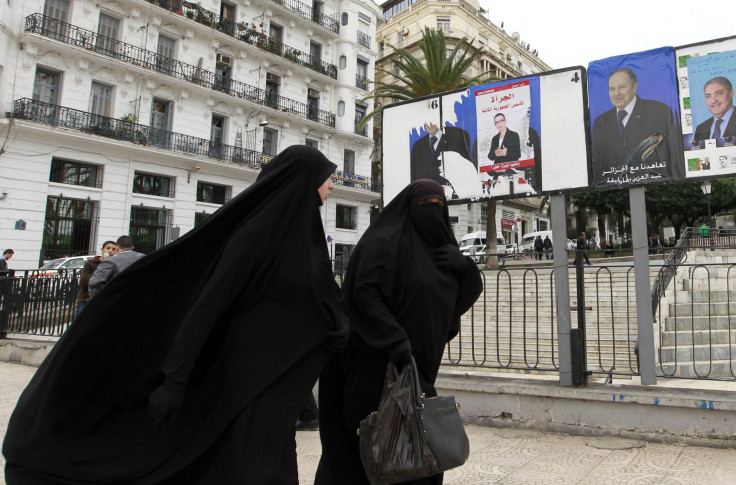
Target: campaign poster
488	141
635	113
707	73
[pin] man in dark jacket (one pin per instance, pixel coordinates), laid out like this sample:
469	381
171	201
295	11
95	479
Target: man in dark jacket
109	248
538	248
112	266
548	247
582	249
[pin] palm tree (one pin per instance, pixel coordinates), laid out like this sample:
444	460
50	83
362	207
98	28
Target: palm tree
437	73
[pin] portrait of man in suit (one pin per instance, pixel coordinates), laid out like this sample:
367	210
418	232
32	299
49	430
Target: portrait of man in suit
505	145
426	153
635	137
719	100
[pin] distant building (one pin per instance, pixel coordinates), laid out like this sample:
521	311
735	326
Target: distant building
144	117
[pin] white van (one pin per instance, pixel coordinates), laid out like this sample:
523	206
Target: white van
475	243
527	242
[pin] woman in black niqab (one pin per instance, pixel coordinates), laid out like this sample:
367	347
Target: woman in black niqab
224	331
405	289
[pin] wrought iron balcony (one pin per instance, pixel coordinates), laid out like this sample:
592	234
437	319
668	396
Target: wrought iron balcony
353	180
55	115
361	82
364	39
109	47
309	13
247	34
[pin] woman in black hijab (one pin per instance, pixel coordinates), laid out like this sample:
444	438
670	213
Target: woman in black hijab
193	373
406	286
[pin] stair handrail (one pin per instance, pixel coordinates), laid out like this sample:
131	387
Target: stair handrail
677	255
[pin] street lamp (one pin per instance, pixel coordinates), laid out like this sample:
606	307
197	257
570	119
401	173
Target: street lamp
706	188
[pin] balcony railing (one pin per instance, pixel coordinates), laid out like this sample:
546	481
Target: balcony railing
55	115
309	13
109	47
364	39
361	82
353	180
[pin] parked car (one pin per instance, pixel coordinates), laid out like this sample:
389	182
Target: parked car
60	265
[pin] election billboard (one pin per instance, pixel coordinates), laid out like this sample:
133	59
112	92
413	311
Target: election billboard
506	139
635	119
706	74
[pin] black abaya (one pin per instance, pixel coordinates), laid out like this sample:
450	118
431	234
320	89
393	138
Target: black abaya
246	329
394	290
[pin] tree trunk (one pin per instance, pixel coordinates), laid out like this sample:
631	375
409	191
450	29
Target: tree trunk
491	238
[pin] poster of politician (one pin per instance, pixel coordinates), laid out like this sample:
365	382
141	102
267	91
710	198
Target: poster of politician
709	127
488	142
634	108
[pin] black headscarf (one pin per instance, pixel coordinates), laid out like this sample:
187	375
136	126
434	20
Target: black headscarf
228	308
393	288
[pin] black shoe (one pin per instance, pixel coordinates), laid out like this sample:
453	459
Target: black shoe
307	425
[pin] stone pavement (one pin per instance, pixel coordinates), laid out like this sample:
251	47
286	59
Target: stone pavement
515	456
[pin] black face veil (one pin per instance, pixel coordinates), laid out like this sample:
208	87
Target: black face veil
231	306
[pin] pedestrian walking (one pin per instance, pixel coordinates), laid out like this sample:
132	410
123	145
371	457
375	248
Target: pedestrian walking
548	247
178	373
538	248
581	250
406	287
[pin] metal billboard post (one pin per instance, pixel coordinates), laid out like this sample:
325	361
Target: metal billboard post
645	320
562	288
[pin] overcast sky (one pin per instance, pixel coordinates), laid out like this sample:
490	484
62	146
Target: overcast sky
574	32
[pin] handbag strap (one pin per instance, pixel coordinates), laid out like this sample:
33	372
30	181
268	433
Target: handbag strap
417	388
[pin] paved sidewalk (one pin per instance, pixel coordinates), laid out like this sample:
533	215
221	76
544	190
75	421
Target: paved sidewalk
512	456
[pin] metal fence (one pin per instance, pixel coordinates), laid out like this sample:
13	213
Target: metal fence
512	326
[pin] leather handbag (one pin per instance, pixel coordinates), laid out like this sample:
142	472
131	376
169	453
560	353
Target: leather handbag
439	423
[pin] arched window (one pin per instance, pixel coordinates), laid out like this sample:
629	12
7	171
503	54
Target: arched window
343	62
341	108
344	18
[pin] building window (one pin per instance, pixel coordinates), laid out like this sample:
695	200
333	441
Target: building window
342	256
46	86
359	115
346	217
200	217
348	161
311	143
101	99
364	18
217	130
313	104
223	72
149	228
343	62
380	48
107	35
75	173
344	18
272	90
158	133
315	50
341	108
69	228
151	184
213	193
270	141
165	59
361	77
55	13
227	18
400	39
443	24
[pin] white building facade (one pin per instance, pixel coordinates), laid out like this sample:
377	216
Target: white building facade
143	118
